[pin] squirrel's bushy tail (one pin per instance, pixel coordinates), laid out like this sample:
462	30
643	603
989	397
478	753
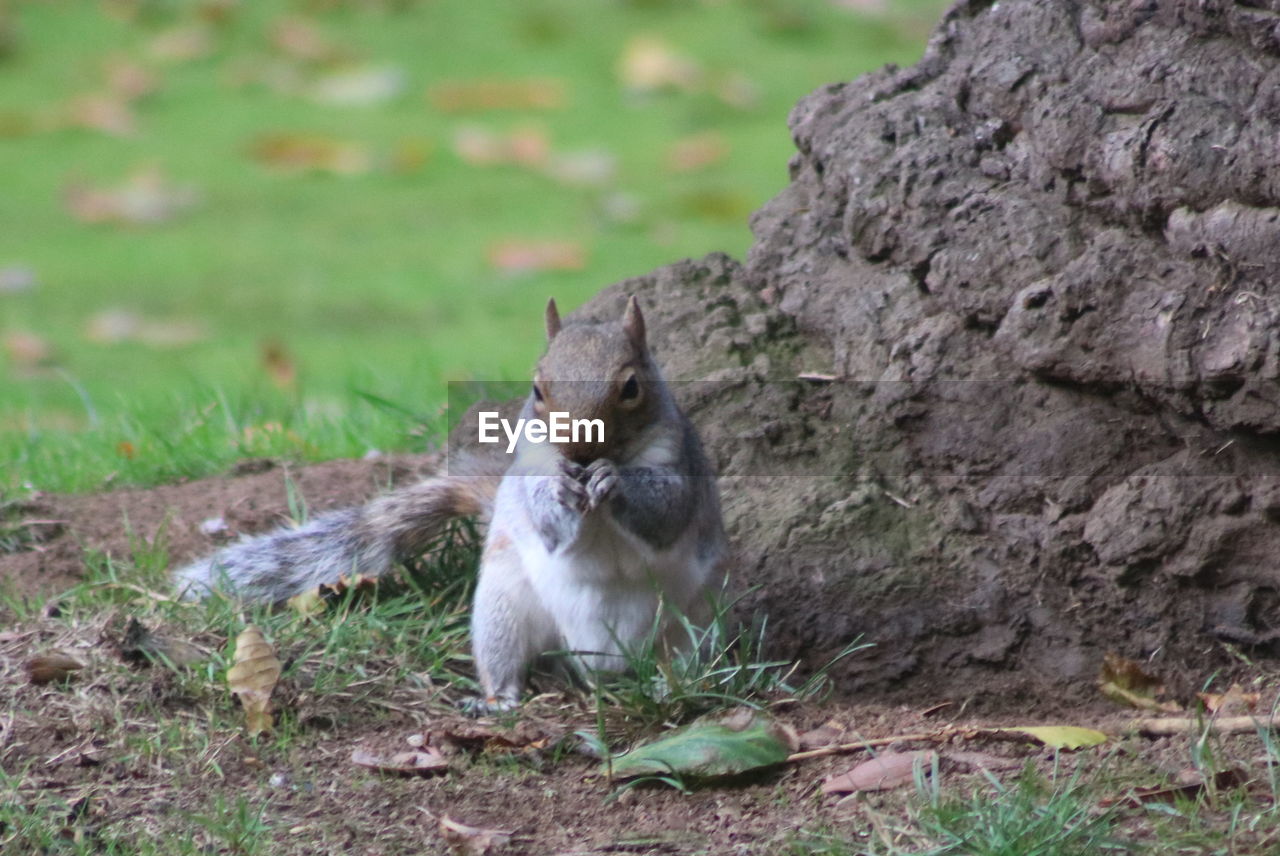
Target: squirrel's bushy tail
364	541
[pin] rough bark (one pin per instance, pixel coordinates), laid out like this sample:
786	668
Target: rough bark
1042	265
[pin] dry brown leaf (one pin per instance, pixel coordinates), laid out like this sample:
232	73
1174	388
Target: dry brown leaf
1124	681
525	146
147	197
529	256
102	111
27	350
884	772
128	79
253	676
1188	783
973	762
1234	702
824	735
649	64
307	604
737	90
467	840
462	96
418	762
300	39
182	43
303	153
697	152
410	155
47	668
279	364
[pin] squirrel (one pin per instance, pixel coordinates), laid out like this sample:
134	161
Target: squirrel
586	540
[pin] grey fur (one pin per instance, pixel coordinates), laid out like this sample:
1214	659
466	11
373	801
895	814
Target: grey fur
366	541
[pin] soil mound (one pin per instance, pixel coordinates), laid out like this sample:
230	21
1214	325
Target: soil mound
1035	275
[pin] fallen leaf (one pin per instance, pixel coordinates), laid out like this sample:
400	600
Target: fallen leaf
471	840
884	772
418	762
1188	783
358	87
496	94
311	153
824	735
697	152
47	668
27	350
307	604
253	676
279	364
649	64
525	146
708	749
102	111
410	155
530	256
300	39
738	91
1124	681
146	198
1233	702
973	762
182	43
128	79
1055	736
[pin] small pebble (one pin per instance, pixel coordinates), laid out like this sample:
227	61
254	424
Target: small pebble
213	526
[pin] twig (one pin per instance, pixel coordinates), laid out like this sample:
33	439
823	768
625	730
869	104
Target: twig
1168	726
845	748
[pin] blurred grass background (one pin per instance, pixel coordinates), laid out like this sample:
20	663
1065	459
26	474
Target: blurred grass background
235	229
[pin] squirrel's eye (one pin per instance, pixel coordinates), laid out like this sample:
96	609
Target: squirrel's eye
630	389
537	394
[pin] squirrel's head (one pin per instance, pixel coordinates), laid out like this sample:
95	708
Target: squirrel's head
598	371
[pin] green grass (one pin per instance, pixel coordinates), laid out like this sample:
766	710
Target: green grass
373	283
720	665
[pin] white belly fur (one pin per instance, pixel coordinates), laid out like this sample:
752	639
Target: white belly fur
603	589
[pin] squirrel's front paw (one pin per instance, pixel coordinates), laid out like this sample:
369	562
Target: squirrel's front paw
571	491
601	480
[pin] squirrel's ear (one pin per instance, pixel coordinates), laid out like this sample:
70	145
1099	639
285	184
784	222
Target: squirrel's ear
633	322
552	319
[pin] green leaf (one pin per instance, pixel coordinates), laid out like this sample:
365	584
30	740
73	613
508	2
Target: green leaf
708	749
1059	736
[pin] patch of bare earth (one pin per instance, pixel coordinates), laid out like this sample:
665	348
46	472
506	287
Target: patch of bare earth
190	518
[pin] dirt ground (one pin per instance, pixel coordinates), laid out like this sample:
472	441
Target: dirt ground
995	389
73	740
